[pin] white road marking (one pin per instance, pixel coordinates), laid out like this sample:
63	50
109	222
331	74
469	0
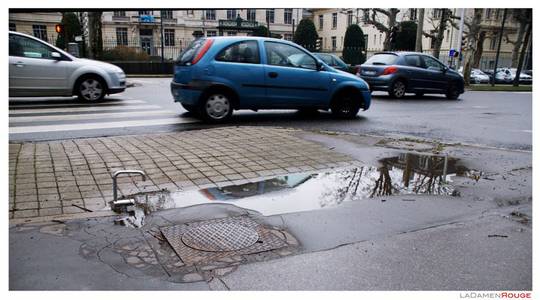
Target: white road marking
82	109
89	116
29	104
88	126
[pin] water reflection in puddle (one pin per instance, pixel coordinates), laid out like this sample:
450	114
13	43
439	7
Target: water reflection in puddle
404	174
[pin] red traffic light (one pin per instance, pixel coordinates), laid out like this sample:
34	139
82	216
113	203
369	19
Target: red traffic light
59	28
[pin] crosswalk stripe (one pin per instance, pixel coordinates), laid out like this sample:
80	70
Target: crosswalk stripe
89	116
88	126
81	109
32	104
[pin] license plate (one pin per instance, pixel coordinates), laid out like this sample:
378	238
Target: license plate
370	73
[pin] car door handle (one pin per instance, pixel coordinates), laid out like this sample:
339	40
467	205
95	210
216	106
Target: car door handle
272	74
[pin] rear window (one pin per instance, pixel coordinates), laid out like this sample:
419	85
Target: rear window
190	52
381	59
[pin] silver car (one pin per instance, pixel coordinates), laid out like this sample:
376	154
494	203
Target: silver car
37	68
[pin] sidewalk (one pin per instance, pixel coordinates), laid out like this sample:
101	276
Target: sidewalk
74	176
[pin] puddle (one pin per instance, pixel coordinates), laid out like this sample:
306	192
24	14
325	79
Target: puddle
404	174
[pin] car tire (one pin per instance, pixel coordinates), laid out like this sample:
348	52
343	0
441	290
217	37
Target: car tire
216	107
397	90
344	106
452	93
91	89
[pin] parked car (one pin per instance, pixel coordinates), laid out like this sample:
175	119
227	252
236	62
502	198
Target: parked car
410	72
335	62
523	76
477	76
37	68
214	76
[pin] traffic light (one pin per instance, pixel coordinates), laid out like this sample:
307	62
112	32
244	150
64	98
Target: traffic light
59	28
318	44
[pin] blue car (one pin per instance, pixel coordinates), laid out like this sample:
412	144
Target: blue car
410	72
214	76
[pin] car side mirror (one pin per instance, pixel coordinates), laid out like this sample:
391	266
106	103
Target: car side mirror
445	69
319	65
56	55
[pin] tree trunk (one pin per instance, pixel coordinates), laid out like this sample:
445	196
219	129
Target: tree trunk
391	24
419	31
479	49
440	33
472	37
518	43
95	35
522	54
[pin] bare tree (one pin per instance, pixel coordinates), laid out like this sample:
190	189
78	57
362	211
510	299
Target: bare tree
523	17
440	23
384	20
522	54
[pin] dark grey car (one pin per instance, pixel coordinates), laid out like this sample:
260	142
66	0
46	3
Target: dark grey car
410	72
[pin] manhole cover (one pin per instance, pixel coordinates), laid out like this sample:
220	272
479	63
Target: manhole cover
220	237
207	241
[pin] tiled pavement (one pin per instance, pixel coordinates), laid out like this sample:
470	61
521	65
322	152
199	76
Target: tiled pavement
62	177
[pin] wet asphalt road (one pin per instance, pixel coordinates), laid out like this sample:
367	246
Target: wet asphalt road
497	119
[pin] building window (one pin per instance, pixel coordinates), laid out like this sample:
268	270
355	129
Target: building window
375	39
437	13
40	31
166	14
145	12
334	43
190	12
270	15
231	14
121	36
251	14
211	33
119	13
169	37
349	18
231	33
366	39
488	13
413	14
380	38
288	36
447	35
287	15
210	14
334	20
12	27
494	41
321	22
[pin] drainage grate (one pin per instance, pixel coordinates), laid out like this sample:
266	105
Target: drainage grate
220	237
212	240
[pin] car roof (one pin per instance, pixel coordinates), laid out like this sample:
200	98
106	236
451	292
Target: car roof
401	53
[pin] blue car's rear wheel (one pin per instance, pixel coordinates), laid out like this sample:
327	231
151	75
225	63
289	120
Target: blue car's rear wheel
216	107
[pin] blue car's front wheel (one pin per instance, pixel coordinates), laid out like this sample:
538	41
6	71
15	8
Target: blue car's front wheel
345	105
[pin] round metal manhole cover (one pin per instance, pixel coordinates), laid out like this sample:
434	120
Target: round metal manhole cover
218	237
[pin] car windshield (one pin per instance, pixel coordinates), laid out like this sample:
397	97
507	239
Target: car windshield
189	53
381	59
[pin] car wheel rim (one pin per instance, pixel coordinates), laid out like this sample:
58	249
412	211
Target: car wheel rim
91	89
217	107
399	89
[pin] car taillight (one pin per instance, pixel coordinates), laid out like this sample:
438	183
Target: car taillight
390	70
203	51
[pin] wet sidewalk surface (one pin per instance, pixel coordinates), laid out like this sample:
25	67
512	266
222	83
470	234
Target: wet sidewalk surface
74	176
